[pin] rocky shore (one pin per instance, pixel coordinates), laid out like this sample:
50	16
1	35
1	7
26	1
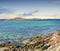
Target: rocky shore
50	42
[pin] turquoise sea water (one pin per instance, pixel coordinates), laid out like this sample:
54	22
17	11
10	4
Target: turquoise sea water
12	29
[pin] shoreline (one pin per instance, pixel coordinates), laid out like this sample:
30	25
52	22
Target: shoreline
41	43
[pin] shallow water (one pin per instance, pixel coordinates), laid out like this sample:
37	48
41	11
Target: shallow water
12	29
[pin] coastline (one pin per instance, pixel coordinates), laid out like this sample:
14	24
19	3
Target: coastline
38	43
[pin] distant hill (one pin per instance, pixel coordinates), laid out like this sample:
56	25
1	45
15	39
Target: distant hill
35	19
17	18
20	18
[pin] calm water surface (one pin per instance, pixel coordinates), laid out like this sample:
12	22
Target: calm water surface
11	29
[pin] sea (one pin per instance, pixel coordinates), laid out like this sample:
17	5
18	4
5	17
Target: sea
10	30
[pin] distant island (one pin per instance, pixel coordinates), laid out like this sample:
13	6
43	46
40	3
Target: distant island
22	18
17	18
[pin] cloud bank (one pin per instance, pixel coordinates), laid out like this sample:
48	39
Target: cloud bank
7	14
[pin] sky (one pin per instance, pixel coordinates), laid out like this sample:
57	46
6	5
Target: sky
42	9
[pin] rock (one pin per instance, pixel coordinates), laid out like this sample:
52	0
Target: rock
50	42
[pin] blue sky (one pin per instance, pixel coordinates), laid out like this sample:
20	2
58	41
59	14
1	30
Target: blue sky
30	8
